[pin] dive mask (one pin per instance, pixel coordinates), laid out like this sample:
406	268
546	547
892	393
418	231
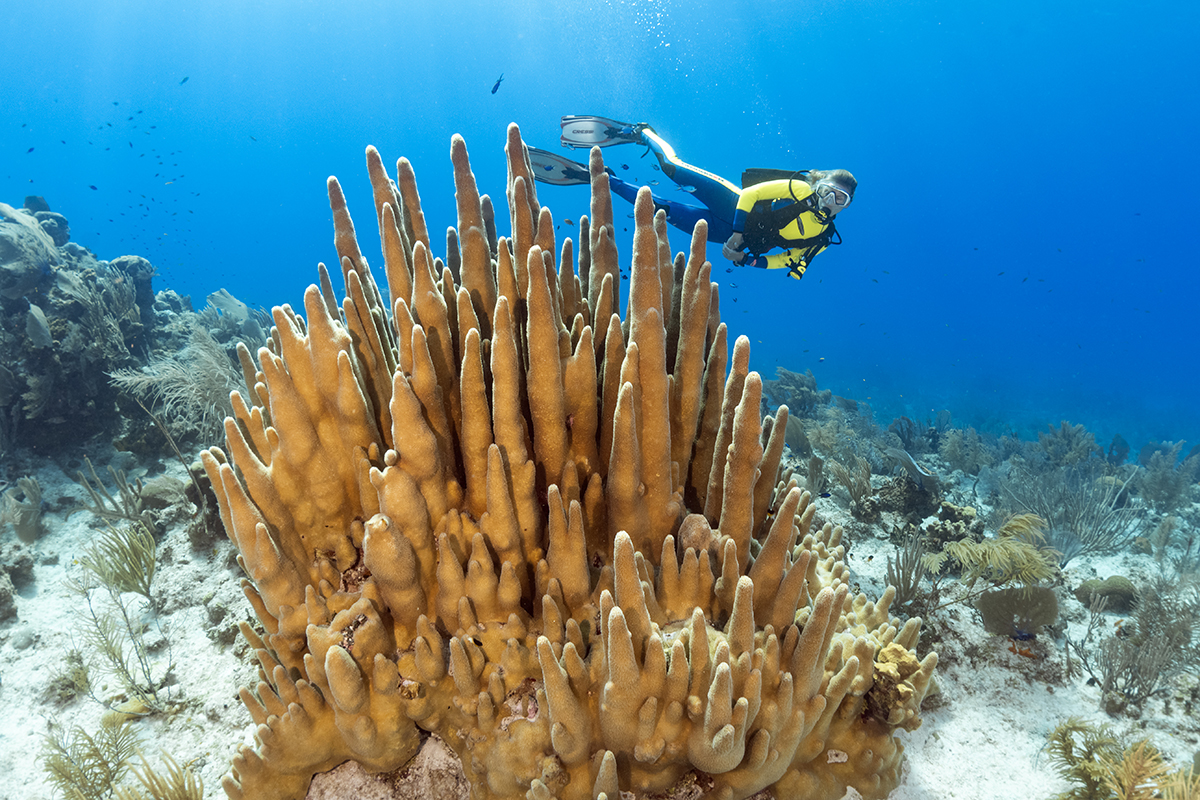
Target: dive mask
832	198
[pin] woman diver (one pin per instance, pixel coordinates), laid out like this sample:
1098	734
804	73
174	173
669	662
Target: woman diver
780	210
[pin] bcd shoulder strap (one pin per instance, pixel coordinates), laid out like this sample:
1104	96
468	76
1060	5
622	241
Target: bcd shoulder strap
764	223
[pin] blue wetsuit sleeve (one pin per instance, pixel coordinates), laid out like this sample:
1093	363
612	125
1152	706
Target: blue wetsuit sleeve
739	221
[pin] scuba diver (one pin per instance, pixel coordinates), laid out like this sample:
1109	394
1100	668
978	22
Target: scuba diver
775	209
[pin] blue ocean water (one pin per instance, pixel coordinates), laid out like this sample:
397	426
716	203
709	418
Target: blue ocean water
1019	250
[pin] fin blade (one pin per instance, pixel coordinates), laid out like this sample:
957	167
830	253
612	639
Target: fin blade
589	131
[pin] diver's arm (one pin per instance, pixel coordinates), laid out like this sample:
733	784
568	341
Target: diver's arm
768	190
791	260
796	261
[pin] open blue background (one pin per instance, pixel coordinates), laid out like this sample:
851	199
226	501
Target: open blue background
1019	251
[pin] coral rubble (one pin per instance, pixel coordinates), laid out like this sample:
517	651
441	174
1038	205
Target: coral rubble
488	508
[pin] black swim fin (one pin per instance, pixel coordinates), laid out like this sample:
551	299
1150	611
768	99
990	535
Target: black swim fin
591	131
551	168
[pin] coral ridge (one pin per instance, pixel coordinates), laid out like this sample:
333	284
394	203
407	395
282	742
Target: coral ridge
486	507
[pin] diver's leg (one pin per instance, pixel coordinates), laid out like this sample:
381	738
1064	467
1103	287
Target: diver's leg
622	189
682	215
718	194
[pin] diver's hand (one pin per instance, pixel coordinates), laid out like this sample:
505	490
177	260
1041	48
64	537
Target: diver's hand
732	249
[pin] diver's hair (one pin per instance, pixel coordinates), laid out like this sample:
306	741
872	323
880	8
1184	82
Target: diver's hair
841	177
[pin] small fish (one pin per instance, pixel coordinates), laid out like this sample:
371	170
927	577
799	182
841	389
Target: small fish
654	183
93	188
825	494
729	269
115	103
655	166
822	358
30	150
253	139
623	166
732	285
182	82
568	222
874	280
499	81
688	189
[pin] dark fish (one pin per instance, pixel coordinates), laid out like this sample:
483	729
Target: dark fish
253	139
182	82
624	166
30	150
115	103
826	494
499	80
568	222
93	188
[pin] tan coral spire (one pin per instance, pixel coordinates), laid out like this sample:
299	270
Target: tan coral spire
485	508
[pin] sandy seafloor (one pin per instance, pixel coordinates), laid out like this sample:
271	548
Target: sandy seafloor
982	737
